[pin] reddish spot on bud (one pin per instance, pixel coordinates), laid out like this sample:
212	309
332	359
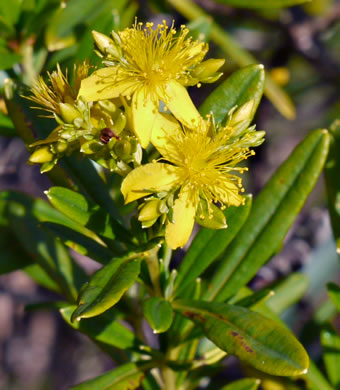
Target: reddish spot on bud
106	134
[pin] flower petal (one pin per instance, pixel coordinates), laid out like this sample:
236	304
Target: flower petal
149	178
144	111
178	233
230	195
180	104
104	84
165	126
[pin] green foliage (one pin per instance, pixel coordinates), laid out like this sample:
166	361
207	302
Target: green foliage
159	313
200	303
252	337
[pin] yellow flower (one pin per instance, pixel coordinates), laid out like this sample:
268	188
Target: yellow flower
57	97
200	165
150	65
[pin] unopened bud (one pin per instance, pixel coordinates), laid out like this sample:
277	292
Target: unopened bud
197	49
68	112
106	45
150	211
109	107
41	155
119	123
123	149
243	113
60	147
254	139
90	147
207	68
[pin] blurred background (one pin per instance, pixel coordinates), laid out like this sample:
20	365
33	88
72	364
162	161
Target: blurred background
300	48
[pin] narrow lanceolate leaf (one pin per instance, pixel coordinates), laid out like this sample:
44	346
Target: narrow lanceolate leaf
126	377
105	329
262	3
209	244
106	287
49	253
158	313
271	216
77	207
86	175
80	242
334	293
330	341
243	85
332	176
253	338
243	384
256	298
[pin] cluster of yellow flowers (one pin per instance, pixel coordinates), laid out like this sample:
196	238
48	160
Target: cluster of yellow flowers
140	98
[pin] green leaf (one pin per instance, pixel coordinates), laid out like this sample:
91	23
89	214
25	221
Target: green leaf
253	338
8	58
332	176
288	292
105	329
80	243
209	244
58	35
262	3
126	377
330	342
150	383
158	313
200	29
84	172
240	56
334	293
78	208
10	11
271	216
43	212
256	298
242	86
50	254
107	286
243	384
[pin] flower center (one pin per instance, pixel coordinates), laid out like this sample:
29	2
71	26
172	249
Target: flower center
154	56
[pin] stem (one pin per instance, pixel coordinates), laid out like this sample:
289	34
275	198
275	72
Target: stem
153	267
169	378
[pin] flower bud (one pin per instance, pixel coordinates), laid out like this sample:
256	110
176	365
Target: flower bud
123	149
243	113
60	147
109	107
149	211
254	139
119	123
68	112
41	155
207	68
91	147
106	45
